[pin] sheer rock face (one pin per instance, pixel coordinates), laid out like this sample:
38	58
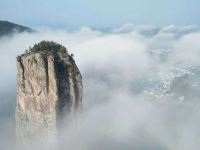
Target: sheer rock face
49	87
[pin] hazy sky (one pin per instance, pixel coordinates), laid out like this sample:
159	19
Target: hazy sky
100	13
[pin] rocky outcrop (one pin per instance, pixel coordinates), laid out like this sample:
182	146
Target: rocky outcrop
49	87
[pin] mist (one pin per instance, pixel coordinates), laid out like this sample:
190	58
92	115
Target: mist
141	87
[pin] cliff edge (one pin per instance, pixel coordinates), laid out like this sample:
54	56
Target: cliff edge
49	87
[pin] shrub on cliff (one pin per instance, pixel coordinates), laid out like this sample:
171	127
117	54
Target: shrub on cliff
48	46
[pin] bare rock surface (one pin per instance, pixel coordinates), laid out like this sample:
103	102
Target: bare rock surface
49	87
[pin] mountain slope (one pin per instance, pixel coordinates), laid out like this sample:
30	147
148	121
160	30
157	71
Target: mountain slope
8	28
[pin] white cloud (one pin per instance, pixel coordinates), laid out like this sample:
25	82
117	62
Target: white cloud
123	75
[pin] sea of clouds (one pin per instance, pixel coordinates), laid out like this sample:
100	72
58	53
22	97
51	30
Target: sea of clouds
141	87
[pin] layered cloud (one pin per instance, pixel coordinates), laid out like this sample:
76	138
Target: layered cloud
141	86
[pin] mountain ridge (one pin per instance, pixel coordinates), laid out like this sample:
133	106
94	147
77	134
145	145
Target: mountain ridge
8	28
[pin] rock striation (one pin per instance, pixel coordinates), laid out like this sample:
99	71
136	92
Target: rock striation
49	87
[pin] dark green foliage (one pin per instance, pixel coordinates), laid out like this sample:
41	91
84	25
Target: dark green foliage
72	55
48	46
18	58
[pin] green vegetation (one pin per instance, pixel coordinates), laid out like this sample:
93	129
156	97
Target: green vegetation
47	46
18	58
